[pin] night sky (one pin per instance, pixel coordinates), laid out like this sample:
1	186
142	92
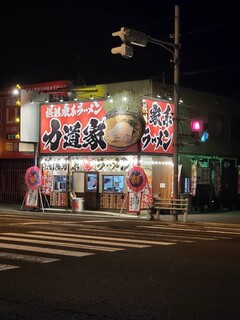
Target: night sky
56	40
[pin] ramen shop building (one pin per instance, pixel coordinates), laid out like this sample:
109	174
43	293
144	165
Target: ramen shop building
101	144
88	147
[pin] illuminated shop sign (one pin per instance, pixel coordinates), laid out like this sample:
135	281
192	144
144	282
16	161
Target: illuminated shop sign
158	134
83	127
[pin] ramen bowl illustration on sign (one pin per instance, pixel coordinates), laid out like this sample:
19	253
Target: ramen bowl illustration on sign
123	129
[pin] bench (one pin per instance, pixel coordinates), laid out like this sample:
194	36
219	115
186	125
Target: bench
174	206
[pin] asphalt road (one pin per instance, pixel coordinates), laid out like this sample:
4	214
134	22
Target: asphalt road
225	216
97	267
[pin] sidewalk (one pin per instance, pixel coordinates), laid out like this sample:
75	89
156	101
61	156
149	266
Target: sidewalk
225	217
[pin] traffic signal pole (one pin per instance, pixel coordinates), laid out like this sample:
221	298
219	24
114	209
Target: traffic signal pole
132	37
176	62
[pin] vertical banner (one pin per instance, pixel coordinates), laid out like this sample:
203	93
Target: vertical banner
47	186
147	197
193	188
216	178
158	134
31	199
134	201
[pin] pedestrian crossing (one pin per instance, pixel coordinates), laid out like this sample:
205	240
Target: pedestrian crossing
4	267
43	247
61	244
26	257
198	231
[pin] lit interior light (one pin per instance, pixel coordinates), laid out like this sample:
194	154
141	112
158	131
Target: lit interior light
16	92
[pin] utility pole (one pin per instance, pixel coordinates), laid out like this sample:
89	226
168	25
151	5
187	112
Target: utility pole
131	37
176	106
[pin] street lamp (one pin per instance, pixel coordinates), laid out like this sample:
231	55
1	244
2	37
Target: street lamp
132	37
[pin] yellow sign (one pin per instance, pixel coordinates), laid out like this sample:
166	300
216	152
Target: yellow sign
95	92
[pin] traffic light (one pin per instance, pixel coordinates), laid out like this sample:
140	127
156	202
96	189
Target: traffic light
196	129
199	130
129	37
205	136
125	50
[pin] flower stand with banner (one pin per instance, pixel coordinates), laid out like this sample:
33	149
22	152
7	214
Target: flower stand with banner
136	180
33	195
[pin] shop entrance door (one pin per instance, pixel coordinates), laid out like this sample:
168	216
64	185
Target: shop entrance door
91	194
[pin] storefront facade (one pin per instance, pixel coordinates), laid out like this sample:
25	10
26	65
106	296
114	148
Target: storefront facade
77	154
101	180
75	131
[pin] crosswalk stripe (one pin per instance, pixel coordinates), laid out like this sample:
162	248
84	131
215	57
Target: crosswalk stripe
19	238
170	237
113	239
99	220
190	235
30	223
69	239
26	257
199	229
166	238
45	250
4	267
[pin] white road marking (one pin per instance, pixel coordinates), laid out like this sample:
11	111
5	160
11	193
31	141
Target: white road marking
112	239
4	267
29	223
20	238
26	257
101	220
68	239
190	235
45	250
